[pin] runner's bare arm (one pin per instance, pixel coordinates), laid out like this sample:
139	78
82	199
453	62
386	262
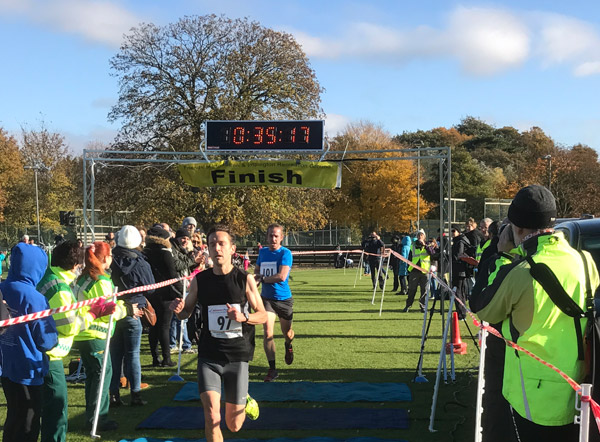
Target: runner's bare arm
184	310
257	275
260	315
277	277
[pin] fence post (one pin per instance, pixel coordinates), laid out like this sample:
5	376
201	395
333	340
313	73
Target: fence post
584	418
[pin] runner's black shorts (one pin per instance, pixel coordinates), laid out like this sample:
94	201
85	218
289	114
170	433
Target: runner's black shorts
283	309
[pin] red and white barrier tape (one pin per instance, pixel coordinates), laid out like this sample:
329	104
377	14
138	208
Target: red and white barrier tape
67	308
332	252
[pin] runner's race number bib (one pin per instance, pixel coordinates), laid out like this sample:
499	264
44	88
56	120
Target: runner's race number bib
268	268
220	326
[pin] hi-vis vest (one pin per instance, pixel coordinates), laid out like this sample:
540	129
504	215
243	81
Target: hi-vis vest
88	288
421	255
481	248
55	287
536	392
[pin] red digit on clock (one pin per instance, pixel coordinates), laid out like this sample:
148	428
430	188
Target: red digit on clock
258	135
306	131
293	136
270	132
238	135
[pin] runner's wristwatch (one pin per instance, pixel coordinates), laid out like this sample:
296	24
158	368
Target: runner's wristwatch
247	316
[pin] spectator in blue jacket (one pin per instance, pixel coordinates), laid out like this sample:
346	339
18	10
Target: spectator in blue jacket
24	346
403	269
2	259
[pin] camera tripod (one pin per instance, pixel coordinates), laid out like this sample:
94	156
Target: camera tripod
419	377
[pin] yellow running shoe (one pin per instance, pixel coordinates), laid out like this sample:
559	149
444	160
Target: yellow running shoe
251	409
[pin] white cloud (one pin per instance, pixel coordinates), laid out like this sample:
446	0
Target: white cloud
565	38
97	21
588	68
485	41
317	47
335	123
97	137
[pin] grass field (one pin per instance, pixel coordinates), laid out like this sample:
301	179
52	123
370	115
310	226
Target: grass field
340	337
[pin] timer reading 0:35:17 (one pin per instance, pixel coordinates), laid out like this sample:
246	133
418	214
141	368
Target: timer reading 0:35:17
270	135
264	135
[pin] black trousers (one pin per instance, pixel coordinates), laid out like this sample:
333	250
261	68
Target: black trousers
395	265
160	331
24	411
374	264
496	417
462	290
525	431
416	279
403	284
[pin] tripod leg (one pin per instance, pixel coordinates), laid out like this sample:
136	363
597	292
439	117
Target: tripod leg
423	341
472	337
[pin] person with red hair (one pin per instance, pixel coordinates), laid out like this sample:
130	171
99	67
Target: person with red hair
93	283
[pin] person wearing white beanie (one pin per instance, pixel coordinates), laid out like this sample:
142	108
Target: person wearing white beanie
129	237
129	269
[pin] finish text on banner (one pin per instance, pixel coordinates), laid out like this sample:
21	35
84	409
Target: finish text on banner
320	175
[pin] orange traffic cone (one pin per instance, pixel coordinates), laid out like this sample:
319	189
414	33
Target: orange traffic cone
457	344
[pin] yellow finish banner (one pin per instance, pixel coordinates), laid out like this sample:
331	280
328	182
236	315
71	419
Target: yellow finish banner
319	175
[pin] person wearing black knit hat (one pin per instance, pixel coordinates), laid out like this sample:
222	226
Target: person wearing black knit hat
540	403
533	207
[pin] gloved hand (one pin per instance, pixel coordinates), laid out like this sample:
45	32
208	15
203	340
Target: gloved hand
102	308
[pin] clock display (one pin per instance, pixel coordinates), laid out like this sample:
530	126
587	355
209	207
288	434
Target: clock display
264	135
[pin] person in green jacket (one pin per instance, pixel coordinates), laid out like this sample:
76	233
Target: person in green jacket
91	342
541	404
67	259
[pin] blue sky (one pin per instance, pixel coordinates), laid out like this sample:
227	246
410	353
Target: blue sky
405	65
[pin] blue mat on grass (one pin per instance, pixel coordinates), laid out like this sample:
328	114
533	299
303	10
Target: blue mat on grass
315	392
278	439
189	418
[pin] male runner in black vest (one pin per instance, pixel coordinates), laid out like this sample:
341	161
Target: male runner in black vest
225	294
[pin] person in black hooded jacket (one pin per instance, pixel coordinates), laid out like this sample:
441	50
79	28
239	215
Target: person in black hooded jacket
460	269
160	256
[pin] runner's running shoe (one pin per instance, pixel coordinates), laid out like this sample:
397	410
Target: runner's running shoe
271	375
289	353
252	410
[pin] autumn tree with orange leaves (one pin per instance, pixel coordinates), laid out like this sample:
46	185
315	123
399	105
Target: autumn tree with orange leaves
375	195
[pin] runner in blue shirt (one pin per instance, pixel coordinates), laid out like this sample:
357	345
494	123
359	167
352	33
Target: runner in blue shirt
273	270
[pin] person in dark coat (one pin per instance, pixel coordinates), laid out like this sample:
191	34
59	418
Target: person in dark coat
160	257
460	244
185	263
375	249
183	252
496	414
129	269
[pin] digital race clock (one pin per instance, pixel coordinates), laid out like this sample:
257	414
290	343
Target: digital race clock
264	135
